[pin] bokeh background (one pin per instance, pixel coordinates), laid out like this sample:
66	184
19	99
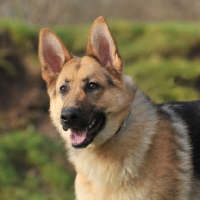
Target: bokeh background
159	41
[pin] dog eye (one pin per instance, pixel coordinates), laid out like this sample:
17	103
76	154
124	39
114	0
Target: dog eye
92	86
63	89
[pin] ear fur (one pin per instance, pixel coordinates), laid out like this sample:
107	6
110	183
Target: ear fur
102	46
52	55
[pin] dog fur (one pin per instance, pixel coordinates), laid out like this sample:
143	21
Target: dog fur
122	145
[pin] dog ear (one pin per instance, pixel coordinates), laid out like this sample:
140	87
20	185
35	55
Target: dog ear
102	46
52	55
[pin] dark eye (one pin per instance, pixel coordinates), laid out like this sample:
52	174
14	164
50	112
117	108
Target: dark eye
63	89
92	86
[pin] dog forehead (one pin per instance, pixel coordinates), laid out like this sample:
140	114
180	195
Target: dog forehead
81	68
89	66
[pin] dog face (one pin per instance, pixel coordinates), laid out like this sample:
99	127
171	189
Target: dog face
89	96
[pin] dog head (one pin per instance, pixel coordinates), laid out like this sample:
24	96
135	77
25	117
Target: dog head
89	96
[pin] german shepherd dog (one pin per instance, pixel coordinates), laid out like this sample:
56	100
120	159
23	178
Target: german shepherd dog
122	145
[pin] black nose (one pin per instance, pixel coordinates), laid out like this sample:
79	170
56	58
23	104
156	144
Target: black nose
69	116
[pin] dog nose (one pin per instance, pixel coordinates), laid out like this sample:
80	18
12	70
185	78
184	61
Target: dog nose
69	116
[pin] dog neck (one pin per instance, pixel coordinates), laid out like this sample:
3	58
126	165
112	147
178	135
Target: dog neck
123	124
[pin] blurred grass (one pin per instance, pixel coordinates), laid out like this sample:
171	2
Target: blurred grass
163	59
32	167
159	81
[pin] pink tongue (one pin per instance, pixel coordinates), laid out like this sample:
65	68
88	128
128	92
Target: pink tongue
77	136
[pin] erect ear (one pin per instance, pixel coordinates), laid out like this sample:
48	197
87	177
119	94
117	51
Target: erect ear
102	46
52	55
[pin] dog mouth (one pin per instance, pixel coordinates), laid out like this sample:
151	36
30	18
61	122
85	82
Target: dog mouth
81	138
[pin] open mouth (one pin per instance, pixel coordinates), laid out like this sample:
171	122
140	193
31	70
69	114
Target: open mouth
81	138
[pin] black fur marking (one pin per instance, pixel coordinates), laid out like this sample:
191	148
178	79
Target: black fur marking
54	93
110	81
67	81
189	112
87	80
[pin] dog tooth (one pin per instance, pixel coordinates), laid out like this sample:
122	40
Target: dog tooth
93	121
92	124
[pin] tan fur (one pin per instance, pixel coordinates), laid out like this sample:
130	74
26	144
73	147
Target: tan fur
144	160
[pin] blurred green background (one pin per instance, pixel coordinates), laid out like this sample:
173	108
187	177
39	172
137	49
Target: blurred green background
162	56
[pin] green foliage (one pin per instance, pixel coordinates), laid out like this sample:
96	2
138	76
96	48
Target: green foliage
166	79
32	167
19	35
140	41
